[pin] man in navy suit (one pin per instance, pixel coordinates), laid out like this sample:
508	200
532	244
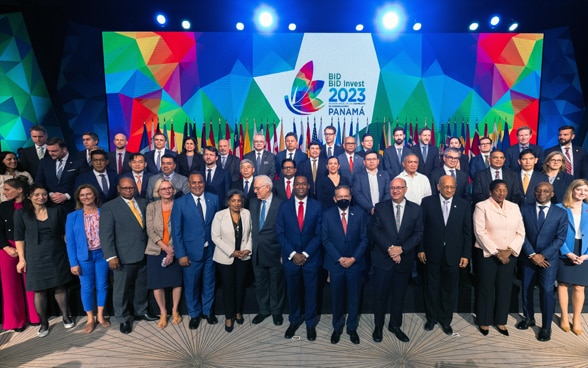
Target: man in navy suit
191	217
348	159
58	172
118	160
446	247
90	141
153	158
138	173
397	230
265	162
344	234
370	185
576	159
101	178
228	162
299	231
245	184
394	155
528	176
451	158
314	168
546	228
218	181
30	157
330	149
496	170
292	152
511	153
427	154
481	161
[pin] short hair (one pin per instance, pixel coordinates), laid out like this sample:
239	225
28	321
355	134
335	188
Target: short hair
342	186
363	137
38	128
135	155
332	127
314	143
94	191
211	149
20	182
525	128
486	138
259	135
370	152
527	151
567	198
291	134
92	135
549	156
167	155
496	151
56	141
234	192
424	129
409	155
397	129
333	158
246	161
264	180
289	160
566	127
451	149
157	184
161	134
97	152
495	183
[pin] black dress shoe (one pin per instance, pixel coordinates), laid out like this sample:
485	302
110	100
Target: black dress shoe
503	332
429	326
399	334
482	331
278	319
259	318
354	337
377	334
447	329
311	334
212	320
229	328
194	323
291	331
126	327
525	324
240	320
544	335
336	336
147	317
20	329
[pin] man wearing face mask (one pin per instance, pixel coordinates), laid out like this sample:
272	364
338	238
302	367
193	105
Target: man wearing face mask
344	235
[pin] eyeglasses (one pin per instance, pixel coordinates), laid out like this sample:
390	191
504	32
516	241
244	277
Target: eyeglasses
555	160
448	186
167	188
288	168
127	188
397	188
452	158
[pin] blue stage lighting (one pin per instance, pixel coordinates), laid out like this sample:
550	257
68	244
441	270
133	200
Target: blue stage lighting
513	26
390	19
161	19
265	19
359	27
240	26
474	26
292	27
186	24
494	20
417	26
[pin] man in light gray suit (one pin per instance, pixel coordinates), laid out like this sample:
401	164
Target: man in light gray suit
168	165
123	239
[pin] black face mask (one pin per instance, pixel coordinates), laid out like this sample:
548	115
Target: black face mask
343	204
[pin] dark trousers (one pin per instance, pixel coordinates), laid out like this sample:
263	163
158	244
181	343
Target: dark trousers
389	284
270	289
441	291
199	285
342	281
233	285
302	285
130	280
545	278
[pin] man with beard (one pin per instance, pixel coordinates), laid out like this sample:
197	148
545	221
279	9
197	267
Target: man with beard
395	154
576	159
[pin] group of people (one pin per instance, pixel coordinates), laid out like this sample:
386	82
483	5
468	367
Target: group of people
179	223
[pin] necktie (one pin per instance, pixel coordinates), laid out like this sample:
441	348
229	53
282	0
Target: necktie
246	188
135	212
330	151
424	153
497	175
399	154
59	169
199	207
300	215
541	217
397	217
525	182
568	161
288	189
104	183
290	156
344	222
139	184
119	165
40	152
209	177
258	162
445	211
223	161
158	161
524	148
452	172
314	170
351	164
486	162
262	215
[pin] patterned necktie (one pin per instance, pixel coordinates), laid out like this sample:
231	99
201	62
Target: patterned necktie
300	215
541	217
452	172
262	215
329	151
397	217
59	169
569	168
40	152
344	222
135	212
104	183
497	175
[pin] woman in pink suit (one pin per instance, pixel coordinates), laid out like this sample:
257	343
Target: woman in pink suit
16	302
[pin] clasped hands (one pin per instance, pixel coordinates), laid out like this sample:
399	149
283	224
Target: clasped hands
346	262
299	259
240	254
539	260
576	259
503	255
394	251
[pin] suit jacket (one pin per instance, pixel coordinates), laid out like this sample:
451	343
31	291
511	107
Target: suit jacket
220	185
231	166
6	223
385	234
29	160
150	159
299	157
266	247
144	182
190	230
267	163
391	163
560	184
338	244
279	188
361	189
477	164
90	178
154	226
306	170
223	236
511	154
432	161
75	238
121	235
464	164
82	157
452	240
26	227
344	169
46	176
548	239
498	228
529	196
337	150
461	178
183	168
292	239
249	195
568	245
113	162
179	181
579	157
481	191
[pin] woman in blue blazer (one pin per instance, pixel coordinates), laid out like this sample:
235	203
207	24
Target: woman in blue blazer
573	268
85	254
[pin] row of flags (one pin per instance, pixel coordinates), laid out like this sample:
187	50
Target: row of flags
241	141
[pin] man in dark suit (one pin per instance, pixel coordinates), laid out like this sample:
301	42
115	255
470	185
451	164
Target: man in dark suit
265	162
90	141
58	172
138	173
511	153
118	160
576	159
168	167
545	232
298	227
228	162
427	154
330	149
344	235
270	286
314	168
446	247
192	216
481	161
245	184
350	163
153	158
451	158
123	239
397	230
528	177
395	154
218	181
496	170
100	177
284	184
30	157
292	152
366	194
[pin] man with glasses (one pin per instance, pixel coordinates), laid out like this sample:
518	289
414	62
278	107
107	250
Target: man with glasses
265	161
370	184
496	170
451	158
100	177
284	185
481	161
330	149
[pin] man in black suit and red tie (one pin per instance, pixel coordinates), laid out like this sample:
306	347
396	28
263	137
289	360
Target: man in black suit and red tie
576	159
446	248
118	160
284	185
30	157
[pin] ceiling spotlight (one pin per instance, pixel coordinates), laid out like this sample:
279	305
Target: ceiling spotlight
161	19
292	26
390	19
240	26
513	26
417	26
474	26
359	27
186	24
266	19
494	21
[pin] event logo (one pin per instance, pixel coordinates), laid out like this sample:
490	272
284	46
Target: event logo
303	98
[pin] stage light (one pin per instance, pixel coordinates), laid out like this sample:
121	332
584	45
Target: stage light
186	24
292	26
513	26
161	19
390	19
474	26
359	27
417	26
240	26
266	19
494	21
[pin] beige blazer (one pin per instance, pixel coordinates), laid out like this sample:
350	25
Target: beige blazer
498	228
154	223
223	236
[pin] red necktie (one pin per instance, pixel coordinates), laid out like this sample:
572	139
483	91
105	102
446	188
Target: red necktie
568	161
351	164
300	215
344	222
119	166
288	189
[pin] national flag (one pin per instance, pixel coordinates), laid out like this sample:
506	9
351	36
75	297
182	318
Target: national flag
211	139
193	134
294	129
357	142
186	132
203	137
343	131
281	146
433	141
275	148
338	135
467	147
485	129
494	135
320	132
241	139
383	144
144	147
415	137
268	141
247	139
475	147
307	133
314	135
151	143
462	137
448	138
172	139
236	143
301	144
165	134
506	136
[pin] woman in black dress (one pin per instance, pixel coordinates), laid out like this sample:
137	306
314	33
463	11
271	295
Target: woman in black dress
325	185
189	161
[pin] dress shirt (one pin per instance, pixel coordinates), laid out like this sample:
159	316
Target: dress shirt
418	186
374	188
296	203
493	172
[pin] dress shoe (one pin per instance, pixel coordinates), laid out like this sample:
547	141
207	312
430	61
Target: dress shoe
278	319
291	331
354	337
483	331
68	322
447	329
502	331
259	318
20	329
194	323
146	317
429	326
229	326
525	324
239	320
544	335
565	327
126	327
44	330
311	334
211	319
577	331
399	334
336	336
377	334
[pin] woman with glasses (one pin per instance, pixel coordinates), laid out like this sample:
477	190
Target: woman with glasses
555	169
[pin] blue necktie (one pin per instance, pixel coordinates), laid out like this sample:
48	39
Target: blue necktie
199	206
246	189
104	184
541	217
262	215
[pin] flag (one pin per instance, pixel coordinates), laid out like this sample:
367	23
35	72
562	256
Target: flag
151	143
294	128
281	147
351	128
409	135
247	139
485	129
320	132
236	143
506	136
301	145
203	137
211	139
172	139
338	136
307	133
494	136
448	138
343	131
268	142
241	139
186	133
357	142
467	146
476	143
193	134
415	137
314	135
382	140
275	148
165	134
433	134
462	137
144	147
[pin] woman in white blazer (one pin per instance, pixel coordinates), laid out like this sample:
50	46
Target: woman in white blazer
231	234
